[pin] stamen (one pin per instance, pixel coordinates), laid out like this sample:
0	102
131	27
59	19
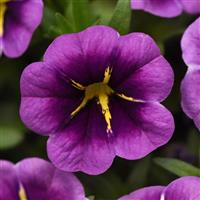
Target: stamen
4	1
107	75
22	193
3	9
82	105
77	85
129	98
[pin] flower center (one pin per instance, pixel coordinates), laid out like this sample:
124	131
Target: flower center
101	91
22	193
3	9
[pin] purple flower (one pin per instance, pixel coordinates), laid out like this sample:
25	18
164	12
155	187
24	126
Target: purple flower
190	87
185	188
18	21
167	8
97	95
37	179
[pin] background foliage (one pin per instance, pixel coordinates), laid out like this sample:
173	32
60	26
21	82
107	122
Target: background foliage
66	16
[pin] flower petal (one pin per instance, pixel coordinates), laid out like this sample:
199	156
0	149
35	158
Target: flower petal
46	116
47	99
22	18
140	128
8	181
65	54
150	193
184	188
84	145
43	181
152	82
192	7
1	46
83	57
40	80
97	44
132	52
190	92
164	8
190	44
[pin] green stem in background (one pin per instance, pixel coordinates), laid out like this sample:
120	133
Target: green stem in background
81	14
178	167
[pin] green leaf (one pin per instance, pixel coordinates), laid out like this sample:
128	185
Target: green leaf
62	23
10	137
55	24
178	167
49	21
59	6
121	17
81	14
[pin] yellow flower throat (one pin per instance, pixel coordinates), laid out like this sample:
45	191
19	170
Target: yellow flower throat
101	91
22	194
3	9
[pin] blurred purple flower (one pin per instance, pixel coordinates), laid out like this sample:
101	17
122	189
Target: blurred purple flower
190	87
185	188
181	152
97	95
167	8
37	179
18	21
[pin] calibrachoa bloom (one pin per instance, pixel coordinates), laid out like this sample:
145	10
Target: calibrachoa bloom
37	179
18	21
190	87
185	188
167	8
97	95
